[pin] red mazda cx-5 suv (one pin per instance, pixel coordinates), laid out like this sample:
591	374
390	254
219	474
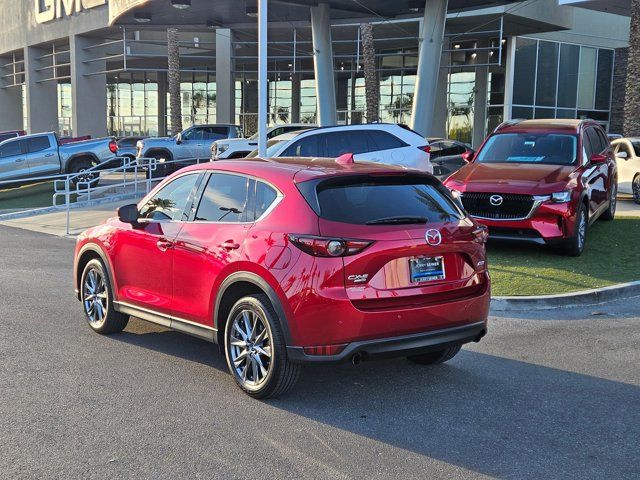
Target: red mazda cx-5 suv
292	261
542	181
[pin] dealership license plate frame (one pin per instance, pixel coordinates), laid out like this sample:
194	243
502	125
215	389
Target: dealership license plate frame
419	274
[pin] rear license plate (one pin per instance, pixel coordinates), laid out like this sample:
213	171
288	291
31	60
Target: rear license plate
426	269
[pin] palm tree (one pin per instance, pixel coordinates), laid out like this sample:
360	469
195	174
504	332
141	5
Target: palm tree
371	84
632	101
173	74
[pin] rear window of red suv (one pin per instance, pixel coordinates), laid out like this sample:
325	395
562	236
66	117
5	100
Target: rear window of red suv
368	200
545	148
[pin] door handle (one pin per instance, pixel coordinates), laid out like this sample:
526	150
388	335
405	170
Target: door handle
20	160
49	155
164	245
230	245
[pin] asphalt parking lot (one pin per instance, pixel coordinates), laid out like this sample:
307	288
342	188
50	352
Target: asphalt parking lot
545	395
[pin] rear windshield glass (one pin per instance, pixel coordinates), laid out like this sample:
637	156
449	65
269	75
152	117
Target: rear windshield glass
546	148
372	200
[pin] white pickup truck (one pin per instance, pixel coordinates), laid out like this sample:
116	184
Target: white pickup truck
241	147
41	154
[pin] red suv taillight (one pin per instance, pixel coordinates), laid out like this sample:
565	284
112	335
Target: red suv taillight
113	146
328	247
325	349
425	148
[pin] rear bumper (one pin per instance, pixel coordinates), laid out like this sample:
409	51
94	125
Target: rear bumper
397	346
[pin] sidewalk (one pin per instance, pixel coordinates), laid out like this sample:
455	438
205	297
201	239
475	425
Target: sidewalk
55	223
627	208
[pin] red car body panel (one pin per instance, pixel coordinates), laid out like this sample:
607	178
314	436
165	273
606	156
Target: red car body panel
320	303
552	222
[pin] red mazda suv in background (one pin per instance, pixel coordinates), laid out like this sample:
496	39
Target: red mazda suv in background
543	181
292	261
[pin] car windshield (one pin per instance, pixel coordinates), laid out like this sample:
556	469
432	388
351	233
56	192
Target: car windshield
636	147
545	148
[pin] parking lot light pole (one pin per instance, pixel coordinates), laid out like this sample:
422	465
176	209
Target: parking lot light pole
262	78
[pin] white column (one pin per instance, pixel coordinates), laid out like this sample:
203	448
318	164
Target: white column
225	86
424	101
480	105
42	97
323	64
11	108
88	92
263	97
508	79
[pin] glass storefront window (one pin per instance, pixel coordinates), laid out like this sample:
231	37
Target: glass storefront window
568	76
573	81
547	76
524	71
587	78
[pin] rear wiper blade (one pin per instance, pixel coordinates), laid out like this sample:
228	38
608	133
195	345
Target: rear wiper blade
397	220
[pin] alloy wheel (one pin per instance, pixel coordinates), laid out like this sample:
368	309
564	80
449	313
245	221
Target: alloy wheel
614	198
250	348
636	189
582	230
94	297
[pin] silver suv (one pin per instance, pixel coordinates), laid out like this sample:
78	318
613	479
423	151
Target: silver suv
189	146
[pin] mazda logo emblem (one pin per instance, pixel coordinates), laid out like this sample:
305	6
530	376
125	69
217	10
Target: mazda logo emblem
496	200
433	237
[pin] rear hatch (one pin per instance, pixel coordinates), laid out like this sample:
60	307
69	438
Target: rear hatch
423	251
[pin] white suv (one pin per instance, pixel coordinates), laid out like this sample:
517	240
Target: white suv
374	142
241	147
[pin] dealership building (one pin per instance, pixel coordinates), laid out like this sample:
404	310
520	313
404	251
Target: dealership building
456	68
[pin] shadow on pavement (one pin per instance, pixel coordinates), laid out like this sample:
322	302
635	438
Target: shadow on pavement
489	414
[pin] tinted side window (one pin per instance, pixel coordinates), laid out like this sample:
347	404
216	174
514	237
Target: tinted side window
339	143
604	141
193	134
264	197
7	136
37	144
594	141
10	149
446	149
275	132
384	140
224	199
215	133
169	203
305	147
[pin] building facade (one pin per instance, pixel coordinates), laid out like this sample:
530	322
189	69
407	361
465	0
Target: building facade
64	66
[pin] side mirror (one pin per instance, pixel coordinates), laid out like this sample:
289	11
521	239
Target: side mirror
622	155
468	156
598	158
128	213
178	139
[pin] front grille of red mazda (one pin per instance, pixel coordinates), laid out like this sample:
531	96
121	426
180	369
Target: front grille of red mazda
513	207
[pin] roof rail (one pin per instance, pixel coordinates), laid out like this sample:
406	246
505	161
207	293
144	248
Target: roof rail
509	123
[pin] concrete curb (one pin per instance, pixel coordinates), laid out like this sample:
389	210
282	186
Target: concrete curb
546	302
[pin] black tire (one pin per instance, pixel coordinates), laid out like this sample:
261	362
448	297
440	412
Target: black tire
111	321
610	213
574	246
437	357
282	374
635	187
161	170
80	166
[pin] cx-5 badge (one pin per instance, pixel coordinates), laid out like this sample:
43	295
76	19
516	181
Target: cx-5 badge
433	237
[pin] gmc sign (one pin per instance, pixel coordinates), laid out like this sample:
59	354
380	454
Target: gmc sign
49	10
